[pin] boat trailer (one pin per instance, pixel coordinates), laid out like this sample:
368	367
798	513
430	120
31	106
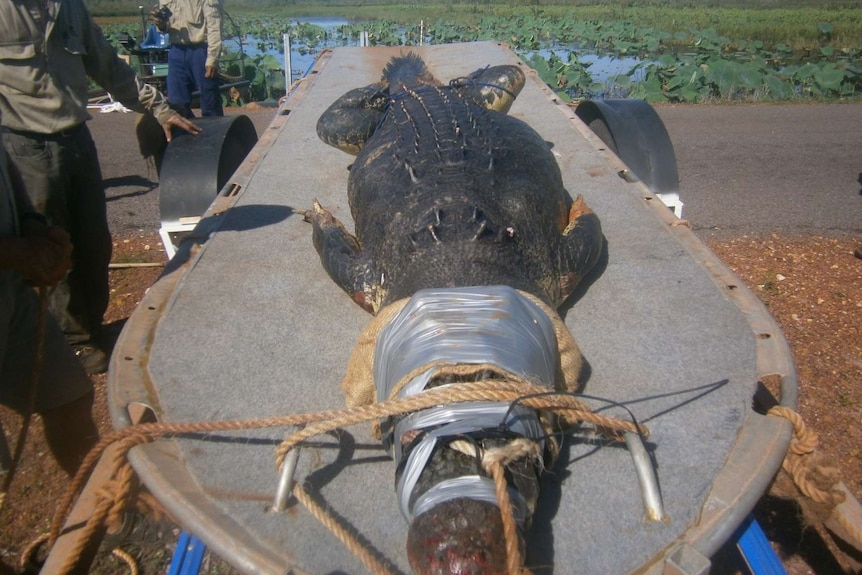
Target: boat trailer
245	324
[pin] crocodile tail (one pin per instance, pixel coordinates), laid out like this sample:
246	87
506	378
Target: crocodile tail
407	70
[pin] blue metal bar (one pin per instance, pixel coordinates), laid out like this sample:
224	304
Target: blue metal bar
756	550
188	555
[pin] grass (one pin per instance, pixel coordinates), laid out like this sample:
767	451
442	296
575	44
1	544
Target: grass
689	52
795	23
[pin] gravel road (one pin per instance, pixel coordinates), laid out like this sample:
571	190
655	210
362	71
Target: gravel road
744	169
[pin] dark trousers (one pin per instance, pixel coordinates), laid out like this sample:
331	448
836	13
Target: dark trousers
186	72
61	174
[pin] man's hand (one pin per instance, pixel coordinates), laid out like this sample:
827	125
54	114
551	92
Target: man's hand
210	71
177	121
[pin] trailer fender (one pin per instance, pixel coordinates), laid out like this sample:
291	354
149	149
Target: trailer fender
195	168
635	133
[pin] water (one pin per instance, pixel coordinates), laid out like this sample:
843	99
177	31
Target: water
601	67
301	56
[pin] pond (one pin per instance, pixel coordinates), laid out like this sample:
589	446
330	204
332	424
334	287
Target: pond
330	32
578	59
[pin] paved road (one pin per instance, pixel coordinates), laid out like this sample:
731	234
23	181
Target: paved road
743	169
764	168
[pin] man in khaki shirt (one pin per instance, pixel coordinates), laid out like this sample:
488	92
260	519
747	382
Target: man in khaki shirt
49	49
194	27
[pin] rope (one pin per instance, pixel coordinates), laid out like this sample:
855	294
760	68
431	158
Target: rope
342	533
494	461
130	561
112	499
27	563
817	478
510	528
503	390
114	496
506	389
814	478
31	398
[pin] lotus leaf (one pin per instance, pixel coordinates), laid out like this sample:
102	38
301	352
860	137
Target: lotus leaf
829	78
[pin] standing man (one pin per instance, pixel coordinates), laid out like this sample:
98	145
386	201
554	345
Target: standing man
194	27
48	50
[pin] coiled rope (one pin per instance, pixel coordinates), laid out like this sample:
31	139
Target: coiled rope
815	478
814	475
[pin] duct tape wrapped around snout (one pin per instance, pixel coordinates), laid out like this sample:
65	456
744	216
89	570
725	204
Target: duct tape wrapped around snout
434	334
450	421
493	325
358	384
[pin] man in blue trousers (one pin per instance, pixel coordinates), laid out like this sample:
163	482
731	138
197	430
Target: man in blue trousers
194	27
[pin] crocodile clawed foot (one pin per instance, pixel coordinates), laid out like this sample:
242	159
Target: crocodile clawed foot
317	214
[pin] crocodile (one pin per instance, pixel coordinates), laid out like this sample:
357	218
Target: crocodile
449	191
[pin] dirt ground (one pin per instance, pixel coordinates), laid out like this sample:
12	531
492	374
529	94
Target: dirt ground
811	283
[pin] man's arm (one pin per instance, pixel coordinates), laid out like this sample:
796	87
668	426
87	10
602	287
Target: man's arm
212	20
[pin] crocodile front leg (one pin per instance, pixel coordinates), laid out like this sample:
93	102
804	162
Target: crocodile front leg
343	259
581	246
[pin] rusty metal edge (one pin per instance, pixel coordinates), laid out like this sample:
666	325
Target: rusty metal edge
763	441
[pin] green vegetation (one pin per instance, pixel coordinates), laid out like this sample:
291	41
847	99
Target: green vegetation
777	21
720	50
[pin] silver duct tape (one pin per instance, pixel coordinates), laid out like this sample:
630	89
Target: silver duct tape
471	416
480	415
476	325
473	487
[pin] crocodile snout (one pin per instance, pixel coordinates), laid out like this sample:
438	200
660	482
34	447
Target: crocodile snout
458	537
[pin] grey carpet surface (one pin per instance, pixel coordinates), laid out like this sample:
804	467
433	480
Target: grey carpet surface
256	328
